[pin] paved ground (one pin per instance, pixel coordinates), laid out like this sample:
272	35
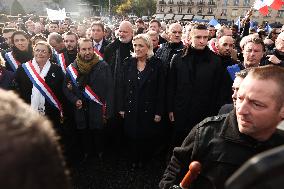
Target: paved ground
115	172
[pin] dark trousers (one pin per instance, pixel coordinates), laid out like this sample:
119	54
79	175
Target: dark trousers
92	141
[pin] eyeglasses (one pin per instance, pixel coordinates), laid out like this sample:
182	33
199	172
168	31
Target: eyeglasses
41	51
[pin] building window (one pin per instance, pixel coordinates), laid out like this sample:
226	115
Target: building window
225	3
280	13
171	1
210	10
171	10
236	2
179	9
235	13
224	12
199	11
189	10
246	3
162	9
269	14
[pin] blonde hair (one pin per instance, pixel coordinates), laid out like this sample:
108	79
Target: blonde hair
148	43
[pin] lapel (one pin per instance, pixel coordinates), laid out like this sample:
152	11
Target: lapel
102	49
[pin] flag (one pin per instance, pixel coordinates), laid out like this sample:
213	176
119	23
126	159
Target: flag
253	24
238	23
56	14
275	4
214	23
261	6
267	28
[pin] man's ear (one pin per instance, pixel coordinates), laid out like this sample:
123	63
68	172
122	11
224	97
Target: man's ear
282	112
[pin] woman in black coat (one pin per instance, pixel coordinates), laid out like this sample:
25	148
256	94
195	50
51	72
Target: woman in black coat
52	76
21	51
141	97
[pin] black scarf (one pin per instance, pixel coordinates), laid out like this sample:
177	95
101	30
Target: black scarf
23	56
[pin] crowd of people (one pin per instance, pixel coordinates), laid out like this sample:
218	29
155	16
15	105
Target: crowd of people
148	89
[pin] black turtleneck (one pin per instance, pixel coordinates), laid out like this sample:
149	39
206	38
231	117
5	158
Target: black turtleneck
125	49
22	56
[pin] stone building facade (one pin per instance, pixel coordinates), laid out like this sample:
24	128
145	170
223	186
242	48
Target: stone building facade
226	10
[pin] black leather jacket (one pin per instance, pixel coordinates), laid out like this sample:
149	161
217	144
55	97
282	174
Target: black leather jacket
220	148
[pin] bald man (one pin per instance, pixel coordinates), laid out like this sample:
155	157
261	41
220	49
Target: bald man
225	46
173	46
114	55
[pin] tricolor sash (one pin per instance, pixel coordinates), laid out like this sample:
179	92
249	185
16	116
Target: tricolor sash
99	54
61	61
88	92
12	61
41	85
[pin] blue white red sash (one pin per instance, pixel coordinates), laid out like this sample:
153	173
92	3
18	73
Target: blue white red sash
99	54
88	92
41	85
61	61
12	61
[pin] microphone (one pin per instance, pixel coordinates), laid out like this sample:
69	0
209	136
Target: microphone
191	175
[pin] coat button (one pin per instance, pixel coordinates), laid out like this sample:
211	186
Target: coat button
129	111
130	92
129	101
129	80
146	111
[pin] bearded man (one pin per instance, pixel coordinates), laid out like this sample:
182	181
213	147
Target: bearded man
89	87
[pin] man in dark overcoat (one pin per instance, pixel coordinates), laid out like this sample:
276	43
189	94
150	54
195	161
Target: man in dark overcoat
89	87
195	85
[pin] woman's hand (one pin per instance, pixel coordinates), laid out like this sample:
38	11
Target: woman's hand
171	116
79	104
121	113
157	118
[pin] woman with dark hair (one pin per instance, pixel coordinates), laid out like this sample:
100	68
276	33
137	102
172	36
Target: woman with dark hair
21	51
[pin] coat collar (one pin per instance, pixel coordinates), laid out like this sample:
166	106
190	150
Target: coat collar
230	132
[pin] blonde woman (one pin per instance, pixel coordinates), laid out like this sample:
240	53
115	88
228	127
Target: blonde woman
39	83
141	93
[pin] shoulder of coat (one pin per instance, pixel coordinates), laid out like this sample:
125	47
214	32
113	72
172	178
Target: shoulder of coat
217	118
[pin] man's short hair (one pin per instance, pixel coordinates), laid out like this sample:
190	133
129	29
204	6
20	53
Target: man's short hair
55	36
154	20
221	31
100	24
54	22
30	153
255	40
83	39
199	27
139	20
70	33
274	73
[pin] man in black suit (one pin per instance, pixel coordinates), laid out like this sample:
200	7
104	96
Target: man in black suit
98	34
